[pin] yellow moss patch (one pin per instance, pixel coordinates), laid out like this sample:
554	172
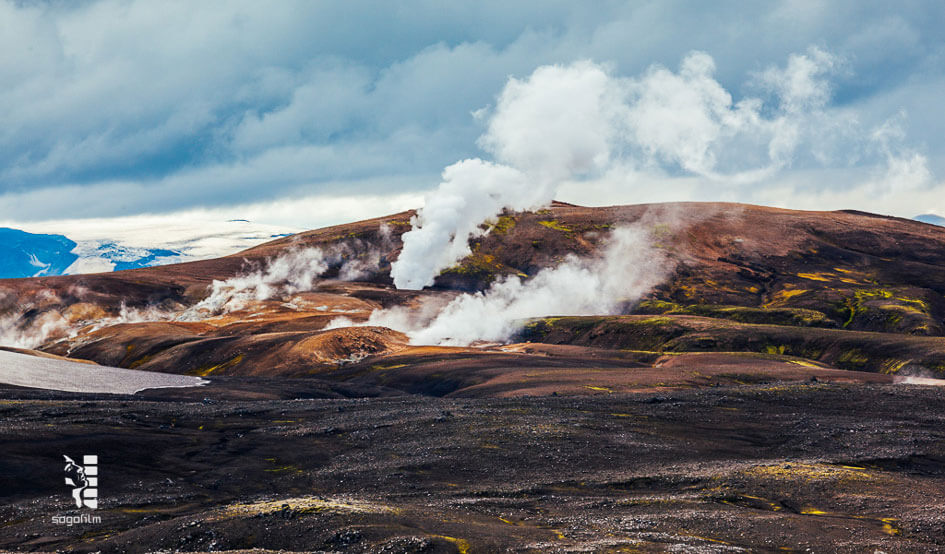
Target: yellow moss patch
654	321
901	308
284	469
385	367
784	295
139	362
462	545
150	509
921	305
476	264
207	370
889	526
807	472
853	356
556	225
817	276
503	224
893	366
702	538
813	512
305	504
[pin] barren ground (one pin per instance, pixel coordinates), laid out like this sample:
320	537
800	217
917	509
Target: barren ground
776	467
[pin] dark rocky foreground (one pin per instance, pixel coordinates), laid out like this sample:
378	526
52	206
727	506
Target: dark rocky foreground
776	467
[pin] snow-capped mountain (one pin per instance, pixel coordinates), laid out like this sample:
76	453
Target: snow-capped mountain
114	245
931	218
25	254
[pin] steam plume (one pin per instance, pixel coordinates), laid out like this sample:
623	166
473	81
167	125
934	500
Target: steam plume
297	270
571	122
540	143
627	268
294	271
20	329
17	332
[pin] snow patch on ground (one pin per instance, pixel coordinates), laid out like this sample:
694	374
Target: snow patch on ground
52	374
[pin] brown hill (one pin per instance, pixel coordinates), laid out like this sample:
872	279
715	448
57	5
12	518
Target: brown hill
816	290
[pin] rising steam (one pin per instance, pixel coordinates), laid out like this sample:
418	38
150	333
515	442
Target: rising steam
17	332
298	270
539	144
294	271
22	329
580	122
44	318
626	268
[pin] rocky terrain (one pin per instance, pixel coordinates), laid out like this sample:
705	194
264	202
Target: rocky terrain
779	467
774	392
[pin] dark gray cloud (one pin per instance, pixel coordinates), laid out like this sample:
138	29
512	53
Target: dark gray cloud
122	107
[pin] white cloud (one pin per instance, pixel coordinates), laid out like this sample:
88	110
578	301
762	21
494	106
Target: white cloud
130	106
577	122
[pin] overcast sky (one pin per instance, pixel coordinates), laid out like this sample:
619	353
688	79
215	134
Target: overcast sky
311	113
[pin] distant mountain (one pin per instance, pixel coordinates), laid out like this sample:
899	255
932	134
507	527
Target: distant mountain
104	246
25	254
931	218
97	256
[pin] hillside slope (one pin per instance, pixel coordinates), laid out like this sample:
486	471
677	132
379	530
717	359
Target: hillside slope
815	290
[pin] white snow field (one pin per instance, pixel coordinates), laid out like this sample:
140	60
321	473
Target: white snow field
48	373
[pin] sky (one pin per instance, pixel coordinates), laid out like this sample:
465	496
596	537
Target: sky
305	114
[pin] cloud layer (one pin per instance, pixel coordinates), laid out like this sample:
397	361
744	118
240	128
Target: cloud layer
129	107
